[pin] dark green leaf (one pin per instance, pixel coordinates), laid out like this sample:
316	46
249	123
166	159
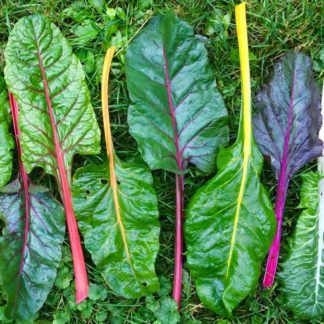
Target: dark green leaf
303	270
177	115
128	266
30	250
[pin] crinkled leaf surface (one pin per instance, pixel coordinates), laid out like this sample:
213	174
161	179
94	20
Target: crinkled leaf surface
45	77
230	221
6	140
127	265
302	276
30	251
177	115
289	112
56	118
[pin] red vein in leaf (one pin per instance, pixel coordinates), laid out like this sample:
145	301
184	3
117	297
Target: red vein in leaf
177	281
25	182
283	181
80	272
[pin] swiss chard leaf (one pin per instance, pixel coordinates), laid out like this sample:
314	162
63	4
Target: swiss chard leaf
124	249
30	247
286	129
56	117
117	210
230	222
6	140
177	115
31	241
303	271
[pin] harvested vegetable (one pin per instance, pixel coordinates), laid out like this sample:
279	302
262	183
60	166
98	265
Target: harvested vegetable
31	241
303	271
177	115
230	221
286	128
116	206
6	140
56	117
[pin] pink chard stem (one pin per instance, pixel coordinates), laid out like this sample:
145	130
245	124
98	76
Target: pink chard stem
274	250
25	183
283	182
177	281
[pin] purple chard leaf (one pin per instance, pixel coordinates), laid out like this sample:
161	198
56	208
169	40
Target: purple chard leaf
286	128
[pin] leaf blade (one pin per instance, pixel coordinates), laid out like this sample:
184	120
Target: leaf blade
127	236
48	81
301	275
229	221
287	124
179	90
19	273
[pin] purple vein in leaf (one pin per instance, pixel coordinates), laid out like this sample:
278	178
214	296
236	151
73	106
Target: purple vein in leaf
281	196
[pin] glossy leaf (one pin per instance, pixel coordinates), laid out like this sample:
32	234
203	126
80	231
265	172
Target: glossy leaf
117	210
30	249
126	263
6	140
56	116
286	129
30	245
177	115
230	222
303	271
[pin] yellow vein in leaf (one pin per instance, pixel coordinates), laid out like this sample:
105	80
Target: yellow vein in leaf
109	143
241	27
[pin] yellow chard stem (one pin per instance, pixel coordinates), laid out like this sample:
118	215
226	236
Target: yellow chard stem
241	28
242	36
104	102
109	143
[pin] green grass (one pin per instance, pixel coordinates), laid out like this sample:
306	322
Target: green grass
275	26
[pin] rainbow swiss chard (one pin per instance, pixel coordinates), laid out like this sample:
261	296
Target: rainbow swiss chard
6	140
31	241
230	221
286	127
116	206
302	276
56	117
177	115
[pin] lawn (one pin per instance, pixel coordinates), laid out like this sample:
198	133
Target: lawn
91	26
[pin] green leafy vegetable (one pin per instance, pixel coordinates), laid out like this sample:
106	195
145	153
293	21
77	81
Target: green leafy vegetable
303	270
230	220
31	241
56	117
177	115
286	125
117	211
30	249
6	140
